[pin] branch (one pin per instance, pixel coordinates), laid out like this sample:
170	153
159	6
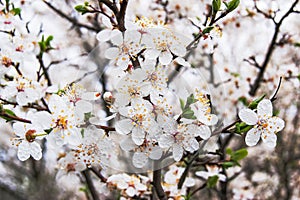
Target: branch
70	19
256	84
90	184
157	182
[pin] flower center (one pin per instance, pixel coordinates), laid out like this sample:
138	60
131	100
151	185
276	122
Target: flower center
6	61
30	135
62	122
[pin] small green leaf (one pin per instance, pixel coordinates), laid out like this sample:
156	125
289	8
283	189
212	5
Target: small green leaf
232	5
297	44
216	5
48	130
190	100
48	40
188	114
242	127
253	104
243	100
234	74
228	164
212	181
181	104
81	9
16	11
298	77
229	151
207	29
9	113
239	154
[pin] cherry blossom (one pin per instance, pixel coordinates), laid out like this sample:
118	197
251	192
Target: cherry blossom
211	171
265	124
27	146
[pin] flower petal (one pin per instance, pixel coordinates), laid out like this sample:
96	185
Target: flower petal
35	150
139	159
138	136
177	152
204	132
265	108
111	53
165	57
104	35
252	137
116	37
275	124
248	116
269	139
156	153
23	151
124	126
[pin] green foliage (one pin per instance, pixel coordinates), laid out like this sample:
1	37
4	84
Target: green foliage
253	104
207	29
7	113
216	5
186	110
212	181
297	44
82	8
243	100
232	5
235	157
242	127
16	11
45	45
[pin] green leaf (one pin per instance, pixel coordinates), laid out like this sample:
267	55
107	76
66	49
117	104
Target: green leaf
48	130
190	100
48	40
253	104
239	154
9	113
297	44
207	29
216	5
232	5
228	164
188	114
234	74
181	104
243	100
229	151
298	77
16	11
81	9
242	127
212	181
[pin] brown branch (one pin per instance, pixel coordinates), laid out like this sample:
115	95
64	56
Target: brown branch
157	181
256	84
90	184
70	19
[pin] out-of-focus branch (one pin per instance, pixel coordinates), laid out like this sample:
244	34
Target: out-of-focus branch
157	181
90	184
70	19
254	87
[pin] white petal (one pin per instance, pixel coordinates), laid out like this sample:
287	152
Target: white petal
83	106
42	118
152	53
165	141
156	153
111	53
248	116
139	159
130	191
252	137
91	96
269	139
19	129
35	150
117	38
265	108
138	136
124	126
275	124
165	57
127	144
204	132
23	151
104	35
177	152
178	50
182	62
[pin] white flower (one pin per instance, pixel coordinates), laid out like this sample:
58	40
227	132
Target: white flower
27	146
211	171
139	121
142	153
161	43
131	87
131	185
63	121
265	125
179	137
127	47
25	90
202	109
